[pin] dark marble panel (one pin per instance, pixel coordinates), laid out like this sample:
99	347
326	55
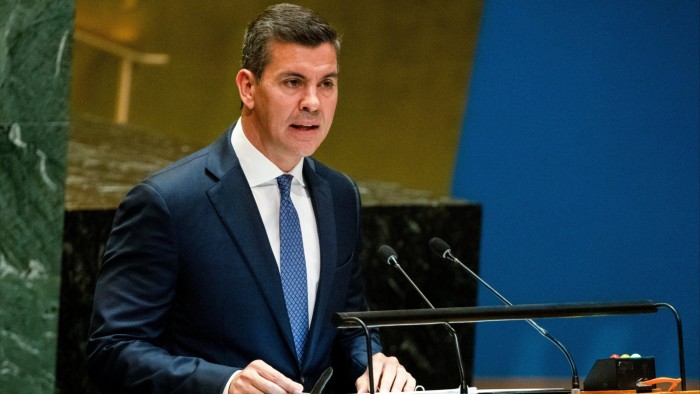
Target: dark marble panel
427	351
85	234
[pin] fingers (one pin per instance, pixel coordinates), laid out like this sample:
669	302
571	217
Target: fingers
389	376
259	377
403	381
362	383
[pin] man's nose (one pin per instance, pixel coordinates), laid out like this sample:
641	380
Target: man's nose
310	102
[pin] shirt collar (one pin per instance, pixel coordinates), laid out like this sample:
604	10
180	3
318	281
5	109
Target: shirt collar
257	168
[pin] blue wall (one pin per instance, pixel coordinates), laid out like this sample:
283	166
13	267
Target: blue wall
580	140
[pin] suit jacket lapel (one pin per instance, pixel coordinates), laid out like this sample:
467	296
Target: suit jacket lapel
322	201
236	207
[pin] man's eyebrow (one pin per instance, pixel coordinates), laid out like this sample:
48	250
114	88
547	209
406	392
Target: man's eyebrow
295	74
287	74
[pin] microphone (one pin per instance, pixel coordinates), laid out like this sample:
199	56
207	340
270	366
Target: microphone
389	256
443	250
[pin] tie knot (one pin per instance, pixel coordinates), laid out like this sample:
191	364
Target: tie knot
284	182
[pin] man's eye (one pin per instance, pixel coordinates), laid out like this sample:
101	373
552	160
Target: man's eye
293	83
328	84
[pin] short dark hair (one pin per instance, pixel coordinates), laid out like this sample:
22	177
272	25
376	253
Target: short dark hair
287	23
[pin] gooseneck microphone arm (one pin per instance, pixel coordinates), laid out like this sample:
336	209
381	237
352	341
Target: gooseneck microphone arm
443	250
389	256
679	333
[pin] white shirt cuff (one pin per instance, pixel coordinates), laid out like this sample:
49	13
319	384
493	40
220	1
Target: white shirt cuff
228	384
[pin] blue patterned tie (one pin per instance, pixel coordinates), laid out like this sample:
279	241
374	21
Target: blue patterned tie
293	266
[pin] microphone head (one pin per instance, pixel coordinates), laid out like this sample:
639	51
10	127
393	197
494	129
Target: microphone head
439	247
388	255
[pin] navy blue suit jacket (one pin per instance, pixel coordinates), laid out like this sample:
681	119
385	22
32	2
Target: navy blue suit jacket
189	291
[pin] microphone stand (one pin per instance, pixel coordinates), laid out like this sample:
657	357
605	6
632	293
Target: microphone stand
679	334
575	385
368	337
440	248
463	385
447	254
390	257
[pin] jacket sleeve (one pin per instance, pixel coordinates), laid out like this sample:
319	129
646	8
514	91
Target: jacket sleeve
126	348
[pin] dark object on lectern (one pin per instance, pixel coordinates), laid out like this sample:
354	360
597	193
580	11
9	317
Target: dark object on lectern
322	381
619	373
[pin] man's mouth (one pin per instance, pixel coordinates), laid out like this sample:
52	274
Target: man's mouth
305	128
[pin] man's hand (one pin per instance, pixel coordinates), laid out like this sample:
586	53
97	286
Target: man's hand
259	377
389	375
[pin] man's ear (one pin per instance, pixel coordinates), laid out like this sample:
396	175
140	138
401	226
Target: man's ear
246	87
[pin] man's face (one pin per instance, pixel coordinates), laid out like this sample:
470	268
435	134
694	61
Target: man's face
294	102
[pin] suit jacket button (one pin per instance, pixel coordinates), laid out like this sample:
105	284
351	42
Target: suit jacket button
302	380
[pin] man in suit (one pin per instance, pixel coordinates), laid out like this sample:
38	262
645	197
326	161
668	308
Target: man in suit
222	271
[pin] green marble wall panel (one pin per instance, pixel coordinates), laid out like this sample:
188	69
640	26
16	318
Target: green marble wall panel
35	42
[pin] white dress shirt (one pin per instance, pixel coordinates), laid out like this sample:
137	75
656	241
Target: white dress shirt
261	175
